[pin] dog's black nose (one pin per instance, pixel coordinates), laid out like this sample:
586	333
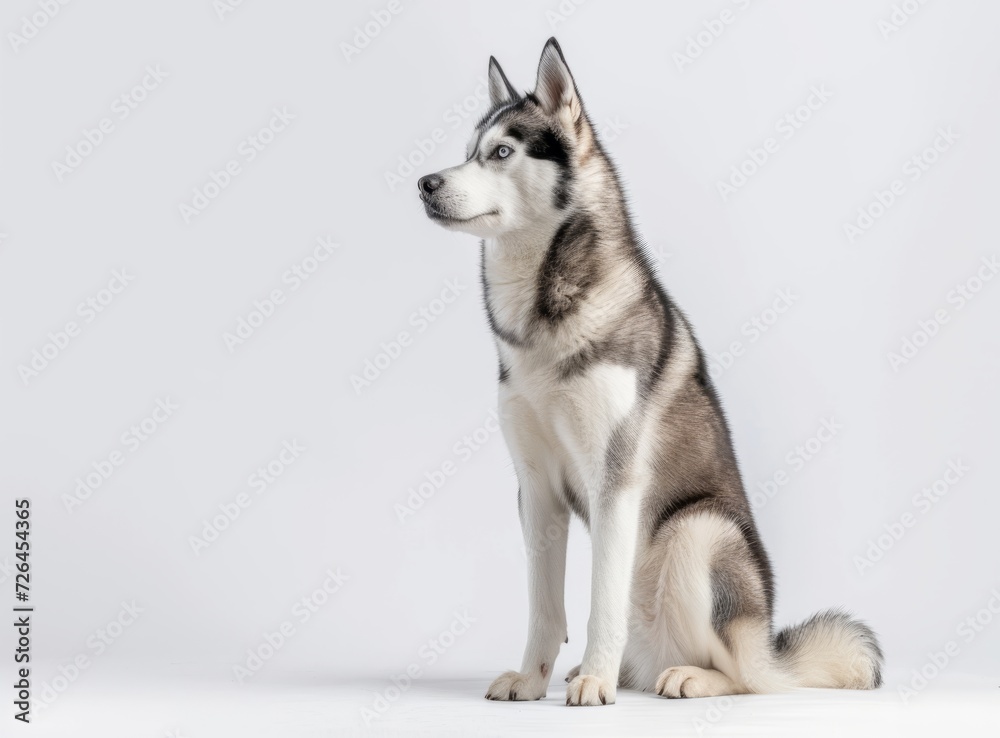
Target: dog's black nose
428	184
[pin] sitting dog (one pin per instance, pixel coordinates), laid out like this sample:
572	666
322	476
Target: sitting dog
609	414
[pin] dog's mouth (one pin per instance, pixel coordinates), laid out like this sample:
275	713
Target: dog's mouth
436	214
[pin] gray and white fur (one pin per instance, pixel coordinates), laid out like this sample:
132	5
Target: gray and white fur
609	414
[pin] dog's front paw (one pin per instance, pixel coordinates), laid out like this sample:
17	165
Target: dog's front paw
587	689
514	686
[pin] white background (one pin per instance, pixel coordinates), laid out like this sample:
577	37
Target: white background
675	131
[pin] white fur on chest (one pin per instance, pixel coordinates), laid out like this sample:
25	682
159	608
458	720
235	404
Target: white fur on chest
559	430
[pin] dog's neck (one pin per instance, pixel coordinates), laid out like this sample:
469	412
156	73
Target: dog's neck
525	268
524	249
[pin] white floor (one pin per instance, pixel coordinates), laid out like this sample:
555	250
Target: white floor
310	705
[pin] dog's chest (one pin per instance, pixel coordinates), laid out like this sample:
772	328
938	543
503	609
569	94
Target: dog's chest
566	425
564	420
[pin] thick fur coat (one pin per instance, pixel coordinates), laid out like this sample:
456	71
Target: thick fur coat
609	414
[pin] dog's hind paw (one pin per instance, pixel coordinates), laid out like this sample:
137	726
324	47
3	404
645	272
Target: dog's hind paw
693	681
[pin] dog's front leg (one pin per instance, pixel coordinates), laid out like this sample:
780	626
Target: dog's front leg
614	527
545	523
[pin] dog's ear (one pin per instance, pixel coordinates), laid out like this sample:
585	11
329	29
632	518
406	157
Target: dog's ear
501	91
555	89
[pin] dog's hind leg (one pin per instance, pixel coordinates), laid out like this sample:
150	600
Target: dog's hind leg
703	613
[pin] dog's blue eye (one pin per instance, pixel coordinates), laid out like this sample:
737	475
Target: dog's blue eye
503	151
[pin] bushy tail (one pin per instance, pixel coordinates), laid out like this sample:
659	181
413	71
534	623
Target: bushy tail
832	650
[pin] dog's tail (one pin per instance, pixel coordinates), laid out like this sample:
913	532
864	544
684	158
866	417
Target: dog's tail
831	650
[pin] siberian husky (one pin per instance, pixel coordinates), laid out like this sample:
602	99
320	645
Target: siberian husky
608	412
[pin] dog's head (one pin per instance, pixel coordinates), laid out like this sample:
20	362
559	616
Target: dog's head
520	162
